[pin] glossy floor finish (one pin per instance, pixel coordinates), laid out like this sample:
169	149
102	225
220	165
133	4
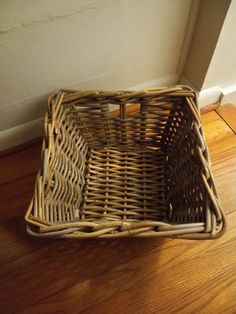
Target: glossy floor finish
122	275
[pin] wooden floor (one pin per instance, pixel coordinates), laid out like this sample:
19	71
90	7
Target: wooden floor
124	275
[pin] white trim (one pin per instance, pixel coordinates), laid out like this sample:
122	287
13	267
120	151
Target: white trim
209	96
228	95
27	131
20	134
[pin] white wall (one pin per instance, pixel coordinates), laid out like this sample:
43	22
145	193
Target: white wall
110	44
222	69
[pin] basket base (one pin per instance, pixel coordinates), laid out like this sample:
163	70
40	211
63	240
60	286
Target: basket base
124	185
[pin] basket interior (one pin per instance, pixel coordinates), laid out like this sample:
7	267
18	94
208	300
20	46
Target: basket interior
123	164
124	184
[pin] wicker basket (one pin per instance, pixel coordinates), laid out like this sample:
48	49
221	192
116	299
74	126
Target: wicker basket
113	170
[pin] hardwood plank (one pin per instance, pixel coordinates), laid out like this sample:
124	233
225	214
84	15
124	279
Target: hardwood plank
20	164
22	146
215	129
221	141
55	264
228	114
209	117
17	179
209	108
219	137
224	170
181	277
15	196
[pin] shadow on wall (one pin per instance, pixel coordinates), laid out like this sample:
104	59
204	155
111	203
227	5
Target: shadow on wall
85	44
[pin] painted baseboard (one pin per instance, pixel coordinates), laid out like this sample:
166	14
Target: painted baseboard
20	134
228	95
209	96
30	130
217	95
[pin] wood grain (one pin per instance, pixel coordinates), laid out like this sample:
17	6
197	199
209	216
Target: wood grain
178	277
123	275
209	108
222	145
17	178
22	146
228	114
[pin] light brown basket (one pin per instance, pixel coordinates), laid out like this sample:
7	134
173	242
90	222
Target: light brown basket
141	170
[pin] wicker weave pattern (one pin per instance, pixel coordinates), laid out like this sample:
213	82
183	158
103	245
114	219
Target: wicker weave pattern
124	185
122	173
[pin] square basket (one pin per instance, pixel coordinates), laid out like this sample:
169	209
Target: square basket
125	163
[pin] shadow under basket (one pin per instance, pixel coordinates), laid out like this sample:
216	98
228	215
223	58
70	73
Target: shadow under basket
125	163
